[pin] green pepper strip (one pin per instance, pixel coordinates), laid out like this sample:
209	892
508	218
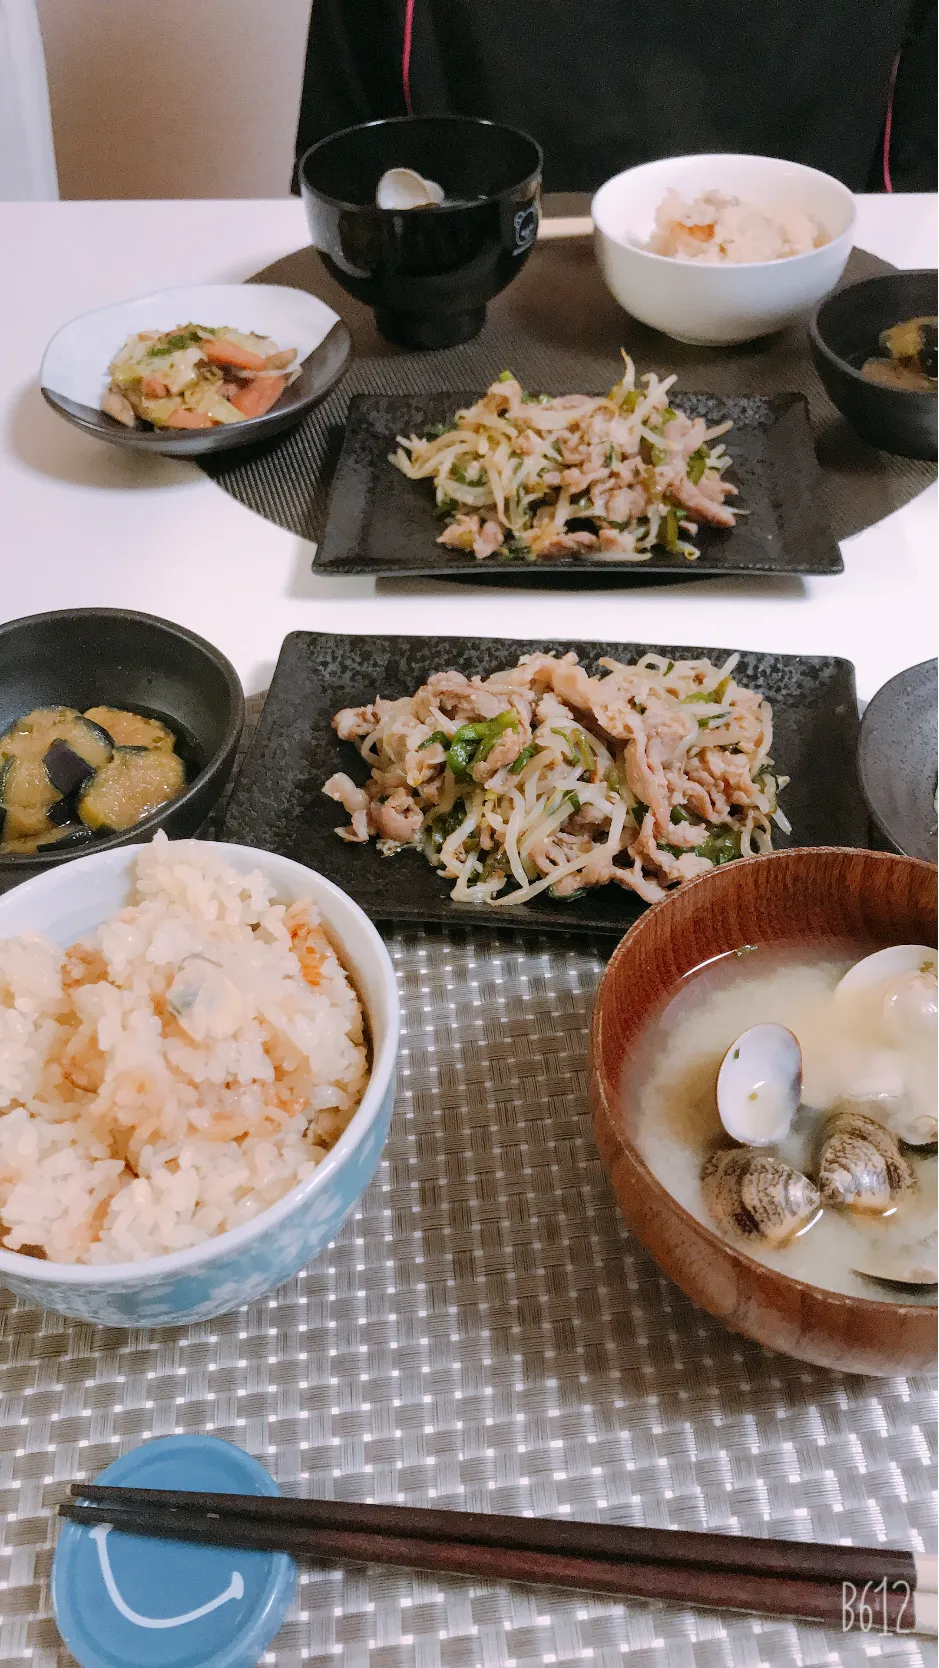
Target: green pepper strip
720	847
580	748
586	752
474	742
565	735
447	824
655	455
516	768
697	464
671	529
438	735
496	863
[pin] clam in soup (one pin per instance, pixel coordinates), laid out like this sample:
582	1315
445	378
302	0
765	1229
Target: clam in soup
788	1101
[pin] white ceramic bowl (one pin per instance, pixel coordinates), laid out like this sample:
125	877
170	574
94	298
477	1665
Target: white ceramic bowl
235	1267
716	305
74	371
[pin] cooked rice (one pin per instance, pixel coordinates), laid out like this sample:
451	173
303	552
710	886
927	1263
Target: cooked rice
715	228
175	1073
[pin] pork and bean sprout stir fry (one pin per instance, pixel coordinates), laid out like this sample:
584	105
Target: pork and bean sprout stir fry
544	778
196	376
575	475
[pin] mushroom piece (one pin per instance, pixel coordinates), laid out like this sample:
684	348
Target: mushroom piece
756	1196
759	1085
861	1166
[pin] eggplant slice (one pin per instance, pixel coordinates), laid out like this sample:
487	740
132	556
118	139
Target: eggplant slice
131	729
136	781
32	736
65	768
26	798
67	775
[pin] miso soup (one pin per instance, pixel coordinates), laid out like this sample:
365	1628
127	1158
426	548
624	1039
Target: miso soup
855	1054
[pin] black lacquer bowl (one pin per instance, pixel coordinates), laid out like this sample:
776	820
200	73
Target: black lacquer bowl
845	331
427	272
85	657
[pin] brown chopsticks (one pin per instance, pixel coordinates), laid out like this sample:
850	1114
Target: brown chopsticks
772	1577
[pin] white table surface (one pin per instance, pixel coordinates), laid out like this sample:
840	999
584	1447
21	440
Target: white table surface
83	523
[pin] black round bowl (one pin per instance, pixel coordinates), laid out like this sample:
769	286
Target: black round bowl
85	657
427	272
844	332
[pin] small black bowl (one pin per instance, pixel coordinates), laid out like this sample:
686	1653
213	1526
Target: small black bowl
86	657
845	331
427	272
897	760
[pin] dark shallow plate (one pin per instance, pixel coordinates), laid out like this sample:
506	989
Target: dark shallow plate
278	804
897	760
382	523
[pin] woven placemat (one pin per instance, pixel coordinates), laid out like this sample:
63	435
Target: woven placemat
559	329
483	1334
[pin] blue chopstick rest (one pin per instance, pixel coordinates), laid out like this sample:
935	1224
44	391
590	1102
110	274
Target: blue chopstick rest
126	1601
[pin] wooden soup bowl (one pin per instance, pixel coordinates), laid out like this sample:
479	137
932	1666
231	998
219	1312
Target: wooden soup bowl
803	897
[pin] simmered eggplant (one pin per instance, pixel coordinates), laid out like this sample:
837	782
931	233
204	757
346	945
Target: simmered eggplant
65	768
32	736
26	798
912	357
66	775
131	729
136	781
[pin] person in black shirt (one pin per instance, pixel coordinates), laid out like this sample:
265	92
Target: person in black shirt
848	86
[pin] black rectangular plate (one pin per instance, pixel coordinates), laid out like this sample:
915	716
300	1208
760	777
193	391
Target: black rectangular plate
380	522
278	804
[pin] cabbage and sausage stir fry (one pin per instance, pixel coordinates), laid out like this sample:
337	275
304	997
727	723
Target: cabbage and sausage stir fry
196	377
575	475
544	778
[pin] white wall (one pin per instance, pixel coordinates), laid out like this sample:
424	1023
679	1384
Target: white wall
174	98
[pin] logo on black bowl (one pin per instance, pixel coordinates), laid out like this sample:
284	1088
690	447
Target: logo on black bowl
526	226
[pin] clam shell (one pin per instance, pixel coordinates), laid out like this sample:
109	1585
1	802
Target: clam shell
860	1165
759	1085
906	1122
902	1267
405	188
886	964
752	1195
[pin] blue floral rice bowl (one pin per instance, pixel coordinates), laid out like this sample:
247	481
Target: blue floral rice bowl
328	1013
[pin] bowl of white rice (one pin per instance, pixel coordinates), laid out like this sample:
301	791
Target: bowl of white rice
717	249
197	1072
